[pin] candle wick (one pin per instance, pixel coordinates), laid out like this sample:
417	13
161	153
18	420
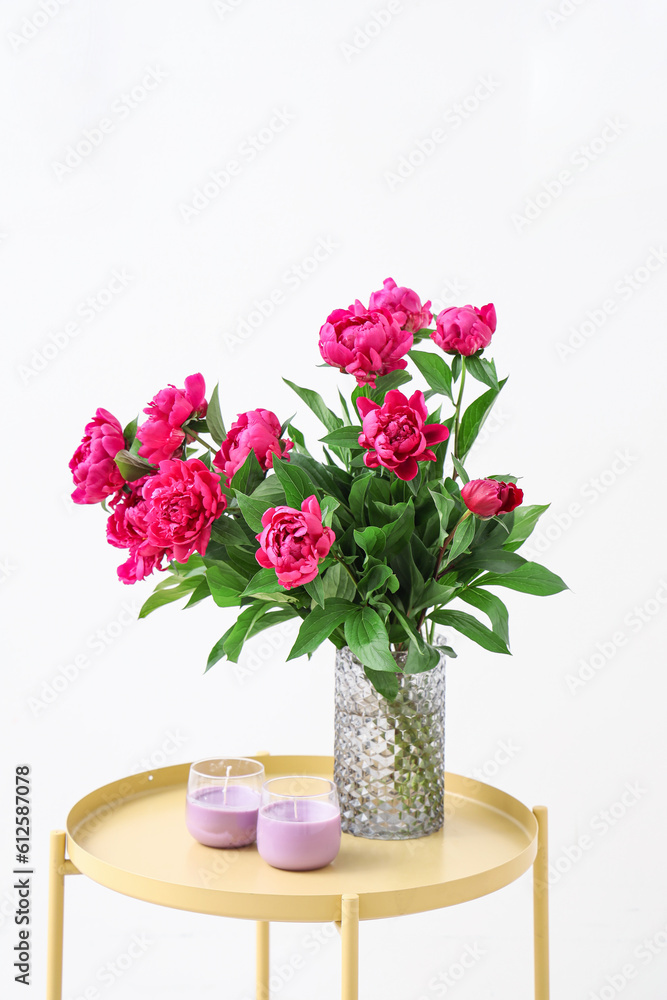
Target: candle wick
224	794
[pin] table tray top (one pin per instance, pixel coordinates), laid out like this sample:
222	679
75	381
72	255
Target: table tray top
130	836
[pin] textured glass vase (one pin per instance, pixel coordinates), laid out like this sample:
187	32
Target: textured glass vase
389	756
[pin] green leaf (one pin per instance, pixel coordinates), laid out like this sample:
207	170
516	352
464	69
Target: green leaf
434	593
328	506
315	590
248	477
343	403
530	578
315	402
435	370
421	657
494	560
337	582
492	607
370	539
132	467
227	531
264	581
366	635
130	432
444	506
226	585
252	511
474	417
384	682
216	427
465	478
167	595
295	482
343	437
238	633
483	370
457	365
273	617
217	652
357	499
270	492
375	578
319	625
400	525
463	537
470	627
525	519
200	593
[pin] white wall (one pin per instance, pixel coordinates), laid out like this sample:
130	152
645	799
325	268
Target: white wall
561	111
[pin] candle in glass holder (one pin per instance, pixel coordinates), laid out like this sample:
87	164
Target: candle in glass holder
222	801
298	827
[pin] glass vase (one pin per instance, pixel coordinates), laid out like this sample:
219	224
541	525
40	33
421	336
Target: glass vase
389	756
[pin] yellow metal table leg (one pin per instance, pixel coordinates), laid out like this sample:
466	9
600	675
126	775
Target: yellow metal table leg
541	906
262	960
54	957
349	932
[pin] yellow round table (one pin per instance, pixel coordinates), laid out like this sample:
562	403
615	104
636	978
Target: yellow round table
130	836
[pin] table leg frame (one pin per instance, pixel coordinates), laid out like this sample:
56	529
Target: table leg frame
541	906
59	867
263	971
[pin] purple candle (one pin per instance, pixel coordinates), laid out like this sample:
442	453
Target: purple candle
298	834
222	801
219	817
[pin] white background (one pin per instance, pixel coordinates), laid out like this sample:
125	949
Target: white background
545	195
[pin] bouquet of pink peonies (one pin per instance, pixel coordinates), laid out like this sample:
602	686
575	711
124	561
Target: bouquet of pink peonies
369	543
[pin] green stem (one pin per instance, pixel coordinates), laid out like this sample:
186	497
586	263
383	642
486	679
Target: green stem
440	557
347	570
457	408
194	435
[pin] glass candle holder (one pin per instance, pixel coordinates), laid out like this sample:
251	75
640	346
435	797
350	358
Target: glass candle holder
298	827
223	800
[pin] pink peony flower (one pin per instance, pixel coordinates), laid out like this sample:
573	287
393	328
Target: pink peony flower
293	542
464	329
161	435
95	473
258	430
488	497
396	434
399	299
182	500
126	529
364	342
